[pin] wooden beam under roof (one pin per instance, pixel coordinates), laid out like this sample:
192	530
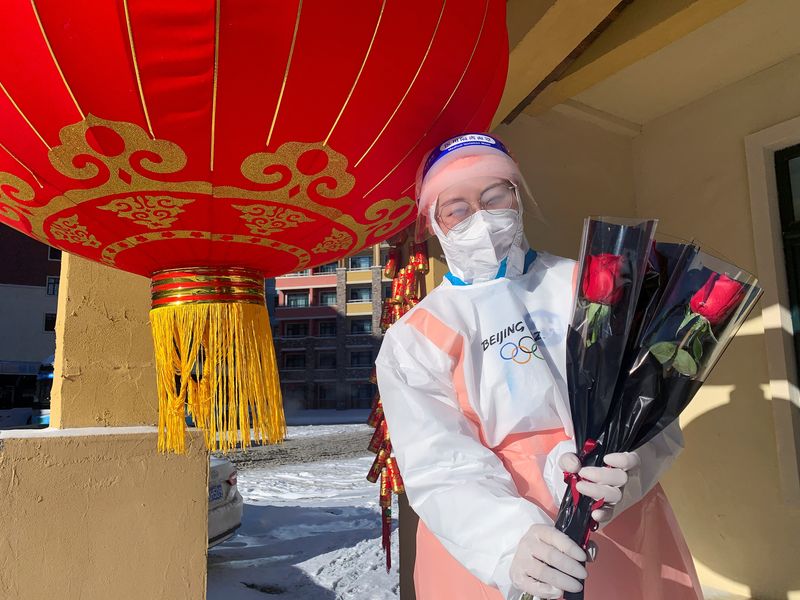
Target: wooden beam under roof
643	28
543	34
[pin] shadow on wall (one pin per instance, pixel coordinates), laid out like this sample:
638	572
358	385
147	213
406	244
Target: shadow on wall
725	486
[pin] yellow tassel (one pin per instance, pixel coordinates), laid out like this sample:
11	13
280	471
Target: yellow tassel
216	362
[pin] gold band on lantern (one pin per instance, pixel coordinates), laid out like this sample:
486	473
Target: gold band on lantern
204	285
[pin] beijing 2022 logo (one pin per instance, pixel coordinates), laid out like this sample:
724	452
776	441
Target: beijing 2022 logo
521	351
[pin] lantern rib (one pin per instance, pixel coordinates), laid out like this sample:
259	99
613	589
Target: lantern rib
25	118
21	164
214	92
55	60
446	104
358	76
286	72
410	85
136	69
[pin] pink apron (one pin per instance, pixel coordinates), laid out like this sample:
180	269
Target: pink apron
641	554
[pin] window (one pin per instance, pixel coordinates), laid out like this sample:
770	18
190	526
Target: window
387	290
53	253
296	329
294	396
295	299
360	294
361	358
361	395
327	298
327	328
329	268
787	175
302	273
50	321
326	395
361	262
52	286
326	360
360	326
294	360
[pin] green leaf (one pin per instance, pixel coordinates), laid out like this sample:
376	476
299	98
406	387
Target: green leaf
689	317
697	348
591	313
663	351
604	312
684	363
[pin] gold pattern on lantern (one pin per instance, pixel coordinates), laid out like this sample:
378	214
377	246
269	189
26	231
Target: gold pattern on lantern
110	252
14	192
299	171
337	240
154	212
9	213
118	166
69	230
264	220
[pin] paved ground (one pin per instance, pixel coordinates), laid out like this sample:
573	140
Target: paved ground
301	447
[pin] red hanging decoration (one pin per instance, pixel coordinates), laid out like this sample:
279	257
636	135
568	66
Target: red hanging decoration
408	286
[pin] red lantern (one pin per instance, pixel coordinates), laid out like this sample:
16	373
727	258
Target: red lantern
209	144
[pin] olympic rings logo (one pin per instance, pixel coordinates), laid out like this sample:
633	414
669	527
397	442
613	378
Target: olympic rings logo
522	352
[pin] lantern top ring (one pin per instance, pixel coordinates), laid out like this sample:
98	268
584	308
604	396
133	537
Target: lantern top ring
204	285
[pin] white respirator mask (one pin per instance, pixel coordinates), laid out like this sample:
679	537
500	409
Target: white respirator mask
489	244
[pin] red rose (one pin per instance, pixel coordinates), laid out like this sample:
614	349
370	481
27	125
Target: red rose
601	280
717	298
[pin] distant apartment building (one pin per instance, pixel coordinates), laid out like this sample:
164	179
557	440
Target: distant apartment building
326	324
29	278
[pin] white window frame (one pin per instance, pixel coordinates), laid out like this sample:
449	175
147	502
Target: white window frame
760	148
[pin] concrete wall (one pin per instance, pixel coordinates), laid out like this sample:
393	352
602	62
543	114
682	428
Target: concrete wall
574	169
690	171
98	514
22	334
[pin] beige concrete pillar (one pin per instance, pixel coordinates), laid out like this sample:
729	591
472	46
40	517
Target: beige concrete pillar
104	370
90	509
97	514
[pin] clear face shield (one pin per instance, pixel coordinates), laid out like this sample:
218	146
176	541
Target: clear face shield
455	206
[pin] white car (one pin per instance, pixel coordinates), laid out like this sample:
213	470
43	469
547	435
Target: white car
225	503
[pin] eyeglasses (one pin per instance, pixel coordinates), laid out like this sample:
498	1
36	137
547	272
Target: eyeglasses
456	205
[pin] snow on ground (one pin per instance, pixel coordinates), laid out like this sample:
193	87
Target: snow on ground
329	417
310	531
305	431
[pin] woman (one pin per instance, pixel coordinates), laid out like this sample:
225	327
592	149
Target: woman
473	387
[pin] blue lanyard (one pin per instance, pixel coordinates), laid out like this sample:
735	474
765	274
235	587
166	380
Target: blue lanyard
530	256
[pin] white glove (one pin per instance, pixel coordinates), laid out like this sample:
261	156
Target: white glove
602	483
547	563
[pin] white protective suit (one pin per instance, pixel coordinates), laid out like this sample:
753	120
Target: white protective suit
468	368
